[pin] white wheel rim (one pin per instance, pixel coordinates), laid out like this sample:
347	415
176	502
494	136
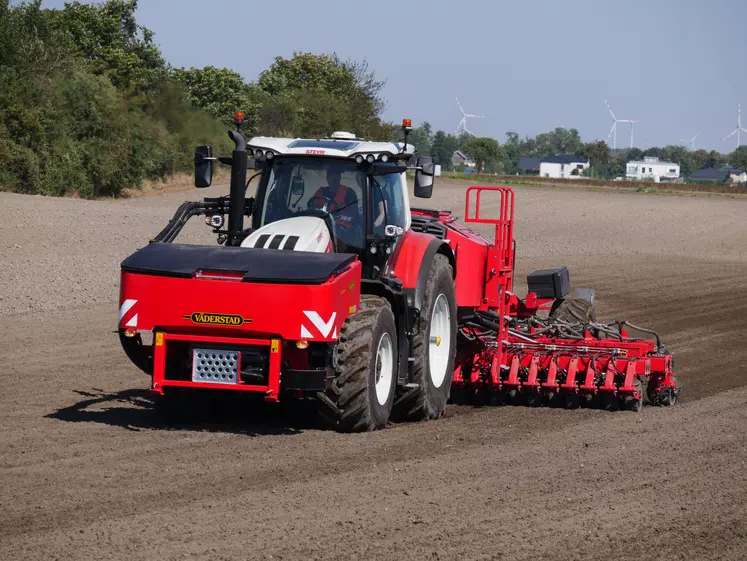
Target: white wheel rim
439	347
384	372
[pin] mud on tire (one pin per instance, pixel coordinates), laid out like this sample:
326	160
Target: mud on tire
352	403
428	399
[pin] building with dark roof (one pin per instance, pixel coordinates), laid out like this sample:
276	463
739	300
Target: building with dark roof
530	165
711	174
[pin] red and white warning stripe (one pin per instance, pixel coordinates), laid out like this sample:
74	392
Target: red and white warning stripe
126	309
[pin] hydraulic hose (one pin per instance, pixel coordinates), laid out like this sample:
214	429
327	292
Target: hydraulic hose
521	336
644	330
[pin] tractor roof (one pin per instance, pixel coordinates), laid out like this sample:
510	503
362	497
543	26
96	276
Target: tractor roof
338	145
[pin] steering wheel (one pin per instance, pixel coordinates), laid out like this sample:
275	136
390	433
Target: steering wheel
325	207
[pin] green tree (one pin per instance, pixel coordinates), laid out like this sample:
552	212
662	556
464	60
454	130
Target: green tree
598	153
421	137
442	149
85	102
109	38
219	91
512	153
486	152
699	159
738	158
716	160
680	155
310	92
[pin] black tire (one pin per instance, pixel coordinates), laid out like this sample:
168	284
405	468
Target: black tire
428	401
573	310
630	403
351	404
610	402
535	398
572	400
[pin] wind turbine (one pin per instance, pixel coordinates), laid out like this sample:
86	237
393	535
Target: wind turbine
462	126
613	130
691	142
739	128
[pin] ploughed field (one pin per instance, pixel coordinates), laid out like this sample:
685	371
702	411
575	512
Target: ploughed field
88	472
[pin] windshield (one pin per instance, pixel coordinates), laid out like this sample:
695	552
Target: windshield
309	187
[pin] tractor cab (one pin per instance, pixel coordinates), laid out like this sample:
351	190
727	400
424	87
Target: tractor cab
339	194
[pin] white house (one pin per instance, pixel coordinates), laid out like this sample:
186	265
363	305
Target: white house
652	168
564	166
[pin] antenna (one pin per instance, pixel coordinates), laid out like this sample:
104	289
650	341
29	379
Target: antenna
739	128
462	126
691	142
613	130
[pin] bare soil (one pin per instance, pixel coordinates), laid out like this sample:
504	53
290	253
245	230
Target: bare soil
87	471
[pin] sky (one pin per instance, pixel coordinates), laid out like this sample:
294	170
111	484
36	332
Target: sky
678	66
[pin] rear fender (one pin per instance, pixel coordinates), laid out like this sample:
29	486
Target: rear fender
412	263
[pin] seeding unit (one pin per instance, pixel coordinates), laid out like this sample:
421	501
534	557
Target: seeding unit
508	352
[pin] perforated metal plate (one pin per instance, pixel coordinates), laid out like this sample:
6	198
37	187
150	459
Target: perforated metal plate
215	366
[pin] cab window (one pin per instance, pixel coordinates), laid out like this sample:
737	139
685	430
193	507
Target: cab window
388	205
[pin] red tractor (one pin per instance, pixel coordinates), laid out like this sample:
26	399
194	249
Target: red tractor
341	293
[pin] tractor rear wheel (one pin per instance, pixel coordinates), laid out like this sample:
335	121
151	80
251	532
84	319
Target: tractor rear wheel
573	310
434	349
362	393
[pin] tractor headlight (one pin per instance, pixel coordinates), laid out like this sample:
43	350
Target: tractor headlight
249	152
370	158
384	158
270	155
216	220
258	153
359	159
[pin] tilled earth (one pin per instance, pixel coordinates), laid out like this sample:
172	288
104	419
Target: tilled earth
87	471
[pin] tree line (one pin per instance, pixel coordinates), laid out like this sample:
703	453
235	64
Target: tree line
504	158
89	105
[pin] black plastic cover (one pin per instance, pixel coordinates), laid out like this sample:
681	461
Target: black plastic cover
258	265
550	283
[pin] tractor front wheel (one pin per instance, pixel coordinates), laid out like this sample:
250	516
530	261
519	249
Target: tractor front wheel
434	349
360	397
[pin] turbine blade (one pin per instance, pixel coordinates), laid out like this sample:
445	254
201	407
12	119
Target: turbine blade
732	133
612	129
460	107
610	110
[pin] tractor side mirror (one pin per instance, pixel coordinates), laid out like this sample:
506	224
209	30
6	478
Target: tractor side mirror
203	166
424	177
